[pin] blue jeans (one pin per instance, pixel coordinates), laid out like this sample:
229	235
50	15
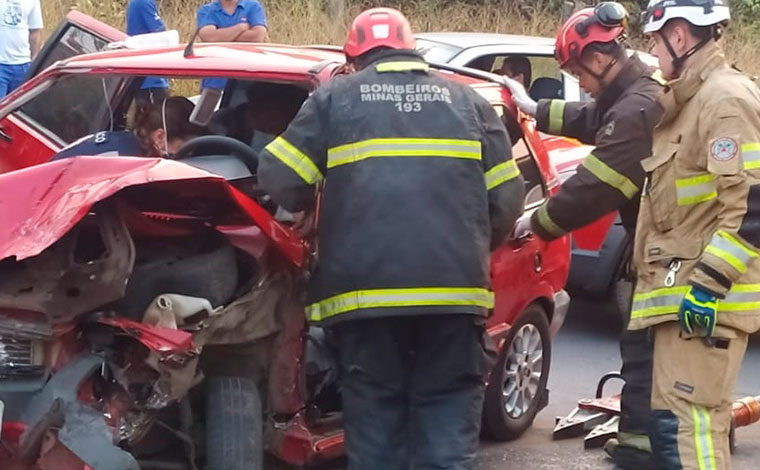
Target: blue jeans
11	76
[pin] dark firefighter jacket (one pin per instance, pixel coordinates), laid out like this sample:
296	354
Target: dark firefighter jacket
419	183
620	126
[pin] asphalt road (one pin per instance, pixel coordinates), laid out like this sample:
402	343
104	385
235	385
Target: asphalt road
585	349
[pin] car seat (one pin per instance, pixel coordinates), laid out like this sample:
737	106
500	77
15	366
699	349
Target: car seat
546	88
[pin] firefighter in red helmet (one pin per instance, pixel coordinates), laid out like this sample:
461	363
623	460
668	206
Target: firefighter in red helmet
419	184
619	122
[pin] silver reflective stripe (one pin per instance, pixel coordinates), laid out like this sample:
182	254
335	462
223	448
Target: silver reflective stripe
298	161
729	247
352	153
663	301
751	155
400	298
743	297
703	438
694	193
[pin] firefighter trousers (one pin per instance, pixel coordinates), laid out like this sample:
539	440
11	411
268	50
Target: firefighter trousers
636	354
412	390
692	388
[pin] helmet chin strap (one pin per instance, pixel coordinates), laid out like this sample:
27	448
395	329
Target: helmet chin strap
600	76
679	61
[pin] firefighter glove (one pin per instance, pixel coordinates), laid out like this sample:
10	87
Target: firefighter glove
520	96
699	311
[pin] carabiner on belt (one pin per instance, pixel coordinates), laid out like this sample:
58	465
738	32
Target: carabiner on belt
674	266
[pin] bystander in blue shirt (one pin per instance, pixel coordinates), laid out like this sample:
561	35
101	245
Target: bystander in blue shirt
214	14
143	18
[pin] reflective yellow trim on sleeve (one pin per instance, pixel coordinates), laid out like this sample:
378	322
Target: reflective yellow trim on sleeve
606	174
556	116
696	189
414	297
408	66
403	147
501	173
751	155
296	160
547	223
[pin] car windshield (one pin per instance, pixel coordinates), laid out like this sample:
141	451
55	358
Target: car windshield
437	52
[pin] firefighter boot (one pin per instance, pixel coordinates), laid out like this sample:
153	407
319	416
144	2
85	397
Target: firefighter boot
631	452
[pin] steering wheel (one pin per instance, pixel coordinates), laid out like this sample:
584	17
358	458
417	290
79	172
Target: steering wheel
219	145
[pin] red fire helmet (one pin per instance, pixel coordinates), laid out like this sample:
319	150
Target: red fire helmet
378	27
604	23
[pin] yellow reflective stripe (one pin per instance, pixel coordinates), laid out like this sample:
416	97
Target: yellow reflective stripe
501	173
391	147
667	300
703	438
658	302
751	155
727	248
409	66
748	251
556	116
727	257
547	223
298	161
607	175
415	297
696	189
694	180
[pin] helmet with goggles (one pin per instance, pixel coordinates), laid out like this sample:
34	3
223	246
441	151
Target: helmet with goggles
602	24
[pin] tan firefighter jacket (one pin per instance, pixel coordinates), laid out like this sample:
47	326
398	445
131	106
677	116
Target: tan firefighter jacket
699	222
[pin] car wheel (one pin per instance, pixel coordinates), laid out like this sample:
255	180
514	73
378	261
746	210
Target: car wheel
518	383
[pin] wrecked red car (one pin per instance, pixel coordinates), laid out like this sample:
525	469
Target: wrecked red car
150	309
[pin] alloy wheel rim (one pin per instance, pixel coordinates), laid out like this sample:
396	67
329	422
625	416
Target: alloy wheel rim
524	369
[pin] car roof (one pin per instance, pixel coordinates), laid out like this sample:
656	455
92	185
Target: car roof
278	61
219	58
467	40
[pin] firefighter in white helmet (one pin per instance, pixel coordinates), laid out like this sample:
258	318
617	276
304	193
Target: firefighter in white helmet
698	234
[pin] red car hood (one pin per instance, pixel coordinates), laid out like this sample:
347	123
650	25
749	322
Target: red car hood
39	204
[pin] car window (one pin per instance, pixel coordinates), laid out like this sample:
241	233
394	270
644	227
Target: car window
436	52
74	41
546	80
73	107
535	192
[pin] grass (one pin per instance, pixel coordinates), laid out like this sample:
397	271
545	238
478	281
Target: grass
314	22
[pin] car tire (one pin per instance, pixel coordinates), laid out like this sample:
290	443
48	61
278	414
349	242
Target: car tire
621	291
204	265
517	387
234	424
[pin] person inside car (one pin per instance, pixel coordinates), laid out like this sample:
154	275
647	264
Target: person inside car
268	110
159	130
517	67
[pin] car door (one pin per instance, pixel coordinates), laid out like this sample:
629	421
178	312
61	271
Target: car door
31	133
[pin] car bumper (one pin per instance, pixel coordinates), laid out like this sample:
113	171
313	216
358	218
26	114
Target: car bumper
561	306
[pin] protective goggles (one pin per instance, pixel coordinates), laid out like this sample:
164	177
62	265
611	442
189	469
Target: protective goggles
607	14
